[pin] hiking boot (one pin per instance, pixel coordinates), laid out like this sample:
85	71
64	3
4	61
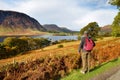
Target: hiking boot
82	72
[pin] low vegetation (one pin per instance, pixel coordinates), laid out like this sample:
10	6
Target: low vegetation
57	63
12	46
100	72
60	46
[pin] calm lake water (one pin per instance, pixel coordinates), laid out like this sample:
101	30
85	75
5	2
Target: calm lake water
50	37
54	38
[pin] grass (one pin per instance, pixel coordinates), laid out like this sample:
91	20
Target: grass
48	51
19	32
69	48
76	75
64	44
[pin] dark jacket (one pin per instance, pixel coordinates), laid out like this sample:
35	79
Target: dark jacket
83	43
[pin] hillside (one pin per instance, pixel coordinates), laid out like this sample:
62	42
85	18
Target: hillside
12	22
55	28
64	29
106	28
54	63
16	23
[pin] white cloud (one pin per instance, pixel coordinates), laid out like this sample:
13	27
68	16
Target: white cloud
73	14
102	17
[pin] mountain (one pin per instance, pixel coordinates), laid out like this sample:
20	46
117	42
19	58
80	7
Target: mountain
64	29
11	21
55	28
106	29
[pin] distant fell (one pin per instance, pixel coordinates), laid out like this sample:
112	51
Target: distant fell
106	28
13	22
55	28
64	29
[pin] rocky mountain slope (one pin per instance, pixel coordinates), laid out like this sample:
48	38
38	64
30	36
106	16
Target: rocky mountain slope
11	21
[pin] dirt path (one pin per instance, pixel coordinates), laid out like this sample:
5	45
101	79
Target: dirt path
112	74
115	76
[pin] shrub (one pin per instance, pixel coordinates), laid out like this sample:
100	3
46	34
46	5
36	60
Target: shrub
65	40
55	42
51	68
12	46
79	37
60	46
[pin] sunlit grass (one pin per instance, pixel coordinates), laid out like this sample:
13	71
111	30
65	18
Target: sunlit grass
19	32
48	51
64	44
76	75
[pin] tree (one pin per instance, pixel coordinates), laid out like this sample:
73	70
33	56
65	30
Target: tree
93	29
18	44
2	50
116	26
41	42
115	3
12	46
9	41
116	22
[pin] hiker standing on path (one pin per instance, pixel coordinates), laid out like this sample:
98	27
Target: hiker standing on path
85	48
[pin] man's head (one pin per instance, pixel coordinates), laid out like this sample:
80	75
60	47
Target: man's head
86	33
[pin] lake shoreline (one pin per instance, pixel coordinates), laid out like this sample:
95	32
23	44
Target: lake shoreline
52	34
23	35
48	36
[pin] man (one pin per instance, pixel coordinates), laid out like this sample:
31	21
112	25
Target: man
85	47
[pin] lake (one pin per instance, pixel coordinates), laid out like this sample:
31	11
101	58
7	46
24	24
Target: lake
50	37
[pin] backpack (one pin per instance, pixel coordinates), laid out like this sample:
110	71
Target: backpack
88	44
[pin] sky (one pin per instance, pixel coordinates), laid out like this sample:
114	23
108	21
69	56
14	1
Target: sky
73	14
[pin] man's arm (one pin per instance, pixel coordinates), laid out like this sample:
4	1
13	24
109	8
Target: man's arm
81	44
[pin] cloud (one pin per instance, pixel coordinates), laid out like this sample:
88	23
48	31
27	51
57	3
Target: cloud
73	14
102	17
4	5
